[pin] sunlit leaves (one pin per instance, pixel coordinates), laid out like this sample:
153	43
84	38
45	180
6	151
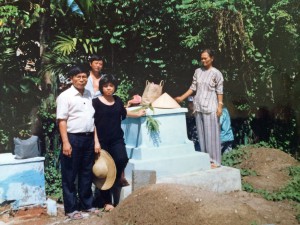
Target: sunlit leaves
65	44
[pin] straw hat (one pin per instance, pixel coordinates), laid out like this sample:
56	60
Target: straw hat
104	171
165	101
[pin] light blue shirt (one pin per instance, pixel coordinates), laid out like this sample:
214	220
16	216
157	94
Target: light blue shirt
226	130
89	86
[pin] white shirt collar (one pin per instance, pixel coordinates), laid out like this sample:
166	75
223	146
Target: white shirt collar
74	91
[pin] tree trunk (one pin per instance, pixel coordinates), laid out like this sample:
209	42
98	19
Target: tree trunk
44	31
46	84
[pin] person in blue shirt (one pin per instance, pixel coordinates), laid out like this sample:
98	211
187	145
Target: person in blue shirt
226	132
96	65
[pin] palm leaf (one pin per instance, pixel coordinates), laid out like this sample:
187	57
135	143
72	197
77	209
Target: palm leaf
65	44
56	62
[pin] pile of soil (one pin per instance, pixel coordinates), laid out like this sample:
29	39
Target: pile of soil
166	204
171	204
271	167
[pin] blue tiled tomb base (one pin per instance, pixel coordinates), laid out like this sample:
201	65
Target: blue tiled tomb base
168	152
22	180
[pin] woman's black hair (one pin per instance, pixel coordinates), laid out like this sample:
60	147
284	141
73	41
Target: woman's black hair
108	78
74	70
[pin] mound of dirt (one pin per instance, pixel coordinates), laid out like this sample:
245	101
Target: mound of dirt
167	204
171	204
271	167
164	204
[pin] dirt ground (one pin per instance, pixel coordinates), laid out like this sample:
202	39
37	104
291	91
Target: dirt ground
172	204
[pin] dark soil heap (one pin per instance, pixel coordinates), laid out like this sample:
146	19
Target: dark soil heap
271	166
167	204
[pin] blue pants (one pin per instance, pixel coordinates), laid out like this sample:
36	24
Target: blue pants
79	165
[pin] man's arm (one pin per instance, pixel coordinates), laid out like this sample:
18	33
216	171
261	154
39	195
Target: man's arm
67	148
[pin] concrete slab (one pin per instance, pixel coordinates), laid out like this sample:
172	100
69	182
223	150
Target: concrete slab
173	165
222	180
141	178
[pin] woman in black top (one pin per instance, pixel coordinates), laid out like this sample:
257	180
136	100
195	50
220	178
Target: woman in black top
109	113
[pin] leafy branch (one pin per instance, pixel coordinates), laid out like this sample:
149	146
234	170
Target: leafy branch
151	123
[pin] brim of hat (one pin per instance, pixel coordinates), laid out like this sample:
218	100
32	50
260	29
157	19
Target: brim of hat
107	182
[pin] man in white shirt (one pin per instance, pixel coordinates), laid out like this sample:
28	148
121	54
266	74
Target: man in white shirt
75	115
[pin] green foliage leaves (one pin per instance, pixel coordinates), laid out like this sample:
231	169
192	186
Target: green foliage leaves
14	19
65	44
152	125
53	176
3	137
235	157
124	88
47	115
7	12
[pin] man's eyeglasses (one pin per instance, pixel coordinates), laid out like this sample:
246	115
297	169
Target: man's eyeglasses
81	77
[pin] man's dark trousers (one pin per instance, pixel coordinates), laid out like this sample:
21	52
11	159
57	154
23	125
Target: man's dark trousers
79	164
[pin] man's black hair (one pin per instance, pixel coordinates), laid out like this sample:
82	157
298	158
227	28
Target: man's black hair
95	58
74	70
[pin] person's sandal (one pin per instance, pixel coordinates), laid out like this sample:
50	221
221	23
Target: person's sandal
214	165
76	215
92	210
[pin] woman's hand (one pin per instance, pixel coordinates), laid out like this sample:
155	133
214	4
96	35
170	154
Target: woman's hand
184	96
219	111
97	148
141	112
178	99
133	114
